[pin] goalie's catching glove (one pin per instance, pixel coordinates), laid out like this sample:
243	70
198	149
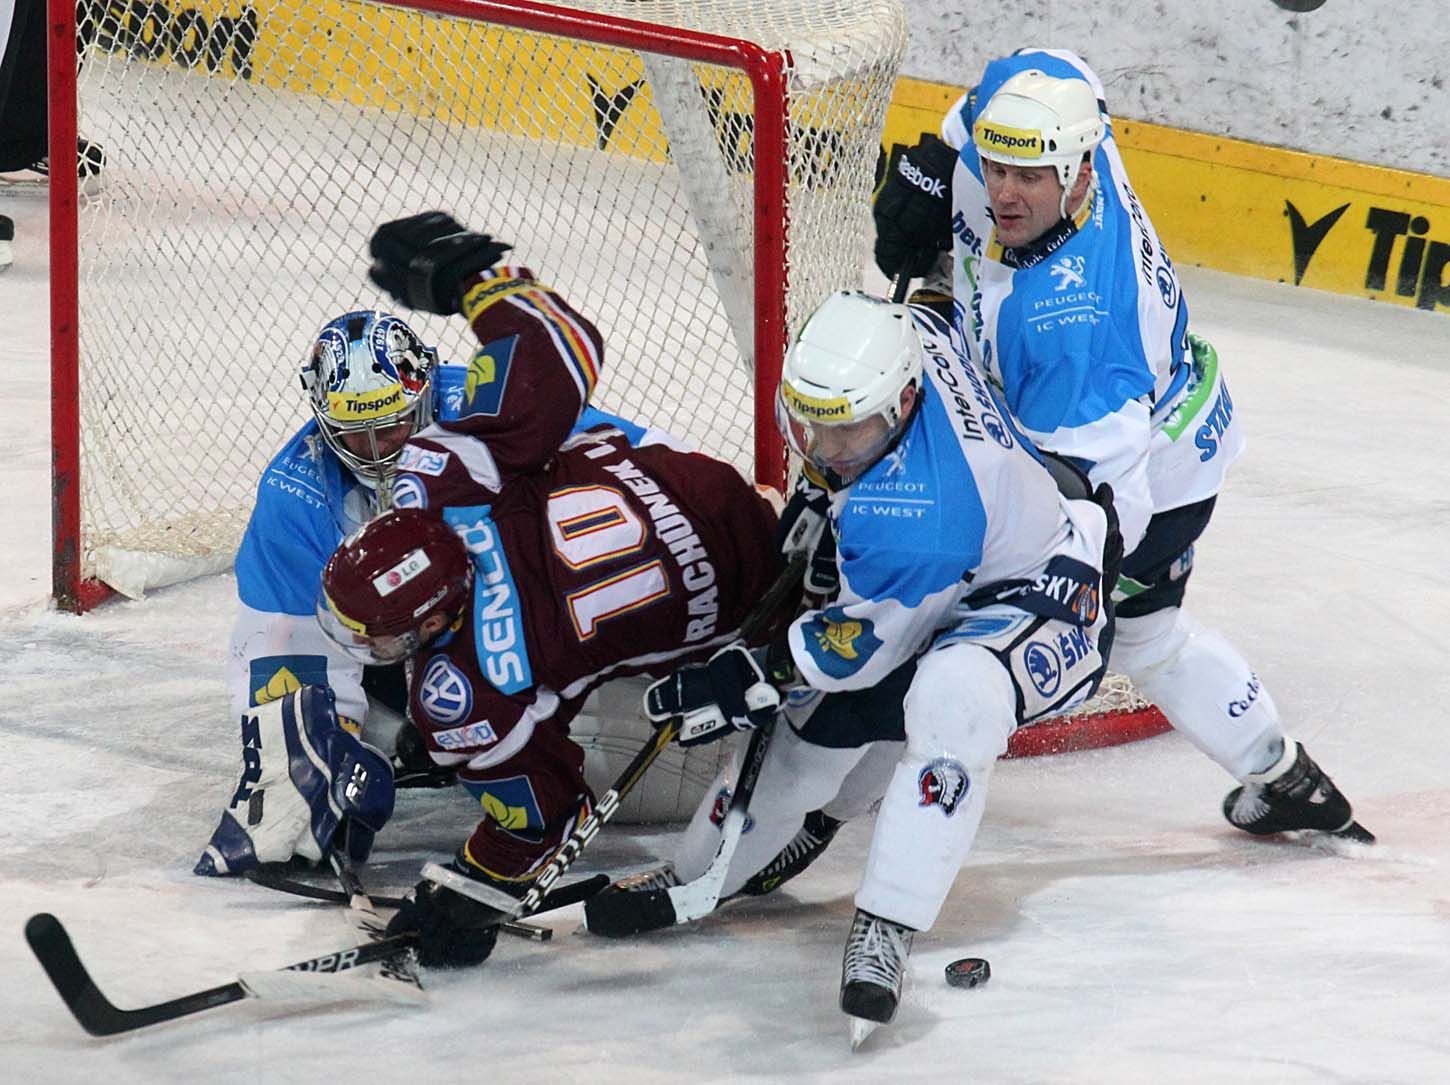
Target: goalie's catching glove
913	208
423	260
729	693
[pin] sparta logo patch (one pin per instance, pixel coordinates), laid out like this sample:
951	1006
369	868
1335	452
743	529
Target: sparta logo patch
721	806
943	783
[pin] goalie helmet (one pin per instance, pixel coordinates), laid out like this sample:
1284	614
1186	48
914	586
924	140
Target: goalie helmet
843	384
388	580
369	381
1036	119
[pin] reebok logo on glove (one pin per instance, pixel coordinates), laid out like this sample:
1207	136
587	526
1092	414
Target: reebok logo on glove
932	186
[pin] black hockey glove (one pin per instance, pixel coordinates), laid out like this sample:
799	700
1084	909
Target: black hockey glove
729	693
453	931
913	208
423	260
1113	543
804	527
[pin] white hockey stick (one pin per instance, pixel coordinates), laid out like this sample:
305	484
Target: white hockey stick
700	896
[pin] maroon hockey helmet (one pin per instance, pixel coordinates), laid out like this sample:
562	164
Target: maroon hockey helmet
388	579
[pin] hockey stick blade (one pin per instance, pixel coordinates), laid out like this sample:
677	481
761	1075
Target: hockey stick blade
53	948
272	879
501	902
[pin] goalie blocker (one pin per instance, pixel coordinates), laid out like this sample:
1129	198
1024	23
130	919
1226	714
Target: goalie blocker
305	786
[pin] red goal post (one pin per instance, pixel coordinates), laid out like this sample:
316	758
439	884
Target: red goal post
693	175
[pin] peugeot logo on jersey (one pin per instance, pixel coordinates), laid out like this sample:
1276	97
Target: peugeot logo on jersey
1067	270
445	693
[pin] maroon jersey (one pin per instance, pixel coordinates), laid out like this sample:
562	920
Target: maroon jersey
593	559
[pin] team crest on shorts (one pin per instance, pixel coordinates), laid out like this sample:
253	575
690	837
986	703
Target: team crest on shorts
943	783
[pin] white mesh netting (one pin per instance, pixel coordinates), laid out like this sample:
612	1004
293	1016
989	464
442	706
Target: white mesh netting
251	150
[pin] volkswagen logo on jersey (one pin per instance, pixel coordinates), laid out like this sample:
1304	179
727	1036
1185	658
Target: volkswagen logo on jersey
1044	668
943	783
445	693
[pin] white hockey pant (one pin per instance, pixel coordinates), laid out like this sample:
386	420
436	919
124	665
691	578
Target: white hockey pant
1203	686
795	779
960	711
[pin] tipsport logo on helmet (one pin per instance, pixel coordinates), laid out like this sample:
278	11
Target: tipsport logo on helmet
363	406
835	409
1016	142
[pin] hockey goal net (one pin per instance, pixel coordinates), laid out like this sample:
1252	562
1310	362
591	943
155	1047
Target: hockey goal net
692	174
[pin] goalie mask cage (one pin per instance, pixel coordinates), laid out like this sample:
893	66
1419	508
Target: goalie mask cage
693	175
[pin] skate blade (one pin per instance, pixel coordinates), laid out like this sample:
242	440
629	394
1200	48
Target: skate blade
1356	832
860	1029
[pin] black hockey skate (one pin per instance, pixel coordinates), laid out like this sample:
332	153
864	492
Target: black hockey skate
1294	795
872	972
808	845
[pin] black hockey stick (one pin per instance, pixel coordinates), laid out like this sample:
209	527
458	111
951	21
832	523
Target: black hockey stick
56	953
757	620
100	1017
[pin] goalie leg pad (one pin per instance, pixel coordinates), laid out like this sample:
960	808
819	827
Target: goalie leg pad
301	776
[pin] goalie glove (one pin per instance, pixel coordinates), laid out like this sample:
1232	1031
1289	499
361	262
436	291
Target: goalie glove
729	693
913	208
805	527
423	260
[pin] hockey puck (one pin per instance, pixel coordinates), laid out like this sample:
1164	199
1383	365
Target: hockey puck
969	972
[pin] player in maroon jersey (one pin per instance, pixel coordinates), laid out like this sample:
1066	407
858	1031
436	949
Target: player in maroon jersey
527	561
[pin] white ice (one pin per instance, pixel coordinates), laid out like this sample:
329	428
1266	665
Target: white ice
1134	937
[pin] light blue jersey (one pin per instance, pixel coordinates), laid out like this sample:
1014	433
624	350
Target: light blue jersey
1086	331
307	501
959	517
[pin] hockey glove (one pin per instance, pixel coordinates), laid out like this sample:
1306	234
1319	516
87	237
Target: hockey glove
453	931
1112	543
729	693
913	208
423	260
804	527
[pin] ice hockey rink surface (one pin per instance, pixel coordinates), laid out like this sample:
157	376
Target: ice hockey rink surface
1134	936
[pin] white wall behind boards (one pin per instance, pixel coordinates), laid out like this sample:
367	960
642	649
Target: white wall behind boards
1358	79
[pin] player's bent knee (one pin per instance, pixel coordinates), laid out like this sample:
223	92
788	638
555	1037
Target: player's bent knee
1144	645
962	699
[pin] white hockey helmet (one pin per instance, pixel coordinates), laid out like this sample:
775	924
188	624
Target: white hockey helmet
367	372
841	387
1036	119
